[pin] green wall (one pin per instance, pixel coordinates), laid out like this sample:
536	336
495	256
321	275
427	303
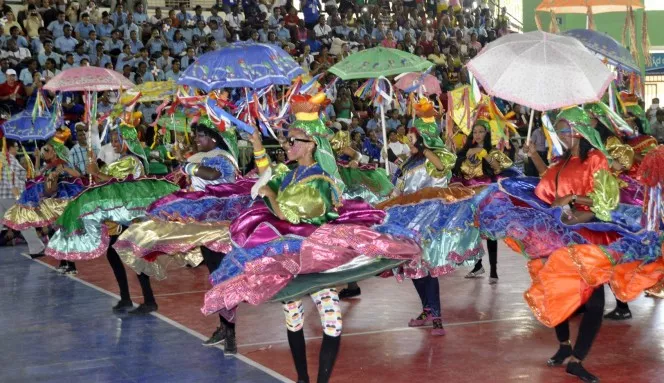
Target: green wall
611	23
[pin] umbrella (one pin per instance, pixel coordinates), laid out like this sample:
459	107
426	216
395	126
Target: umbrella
378	62
581	6
605	46
149	91
410	82
540	70
88	78
26	127
241	65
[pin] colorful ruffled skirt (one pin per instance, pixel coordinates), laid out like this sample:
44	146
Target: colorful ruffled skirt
444	219
566	262
367	183
34	209
179	224
271	253
83	227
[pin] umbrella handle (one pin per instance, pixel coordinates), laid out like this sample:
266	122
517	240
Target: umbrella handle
530	125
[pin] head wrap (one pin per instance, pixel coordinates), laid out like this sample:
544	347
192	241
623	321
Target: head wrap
579	121
306	109
609	118
425	123
59	148
129	137
629	103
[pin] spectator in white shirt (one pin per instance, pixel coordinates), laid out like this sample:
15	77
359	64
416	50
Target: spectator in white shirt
323	31
14	54
235	19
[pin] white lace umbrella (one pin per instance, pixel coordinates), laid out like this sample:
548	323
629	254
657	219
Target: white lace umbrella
540	70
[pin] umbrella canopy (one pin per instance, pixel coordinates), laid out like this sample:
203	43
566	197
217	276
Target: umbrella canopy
605	46
149	91
241	65
540	70
581	6
377	62
24	127
88	78
412	82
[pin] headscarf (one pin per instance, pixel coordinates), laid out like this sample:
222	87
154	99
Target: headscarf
226	134
129	137
579	120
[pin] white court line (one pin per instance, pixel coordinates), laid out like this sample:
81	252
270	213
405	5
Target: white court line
346	335
189	331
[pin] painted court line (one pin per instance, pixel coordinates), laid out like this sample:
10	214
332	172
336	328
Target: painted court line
397	329
189	331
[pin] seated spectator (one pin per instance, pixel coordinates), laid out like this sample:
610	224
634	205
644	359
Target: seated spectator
11	22
135	44
69	62
178	46
124	58
33	22
105	27
100	58
114	45
14	34
12	92
48	53
174	73
26	73
80	54
57	26
189	58
50	70
66	42
84	27
14	54
165	61
128	27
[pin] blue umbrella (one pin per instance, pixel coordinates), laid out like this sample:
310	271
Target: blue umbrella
241	65
23	127
606	46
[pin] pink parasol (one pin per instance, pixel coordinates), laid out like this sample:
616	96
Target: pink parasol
412	82
88	78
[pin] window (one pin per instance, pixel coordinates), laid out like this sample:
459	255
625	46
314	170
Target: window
654	5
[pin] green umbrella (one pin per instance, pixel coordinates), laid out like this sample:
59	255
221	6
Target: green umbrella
377	62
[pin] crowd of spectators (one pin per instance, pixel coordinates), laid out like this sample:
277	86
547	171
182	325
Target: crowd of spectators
47	36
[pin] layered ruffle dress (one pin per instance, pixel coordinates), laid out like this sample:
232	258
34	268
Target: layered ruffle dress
568	261
324	241
176	226
443	217
84	228
35	209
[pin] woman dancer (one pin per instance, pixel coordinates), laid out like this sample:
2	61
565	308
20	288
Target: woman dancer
46	197
95	219
572	216
304	229
180	224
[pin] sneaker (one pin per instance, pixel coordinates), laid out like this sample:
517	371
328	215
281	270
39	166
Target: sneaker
122	306
61	269
619	314
218	337
424	319
70	271
438	329
475	274
493	280
144	309
347	293
37	255
230	346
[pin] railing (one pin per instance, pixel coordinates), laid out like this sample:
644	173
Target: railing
515	24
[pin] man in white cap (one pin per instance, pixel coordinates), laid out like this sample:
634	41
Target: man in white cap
12	93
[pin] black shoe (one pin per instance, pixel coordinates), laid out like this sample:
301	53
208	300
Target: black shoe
347	293
122	306
144	309
230	347
564	352
619	314
217	337
576	369
37	255
70	270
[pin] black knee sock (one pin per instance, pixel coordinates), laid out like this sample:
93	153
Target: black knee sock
299	351
226	323
212	258
118	270
146	288
492	248
621	305
478	265
420	286
590	323
71	265
562	332
328	355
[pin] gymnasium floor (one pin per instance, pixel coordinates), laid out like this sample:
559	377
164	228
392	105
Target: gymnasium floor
61	329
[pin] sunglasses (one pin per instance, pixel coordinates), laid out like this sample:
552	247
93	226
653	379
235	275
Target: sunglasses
292	140
46	150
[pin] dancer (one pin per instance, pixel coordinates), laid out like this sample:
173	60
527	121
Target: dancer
443	216
572	216
45	197
95	219
181	226
293	233
478	163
